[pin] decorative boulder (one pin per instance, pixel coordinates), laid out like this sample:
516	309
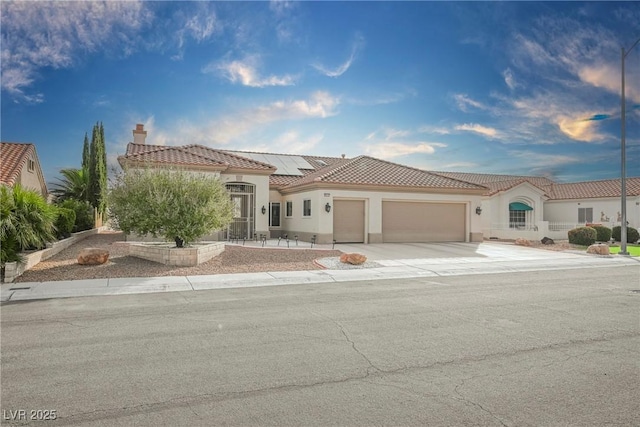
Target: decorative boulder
547	241
522	242
93	256
598	249
353	259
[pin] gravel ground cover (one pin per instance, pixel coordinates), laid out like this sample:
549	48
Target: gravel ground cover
235	259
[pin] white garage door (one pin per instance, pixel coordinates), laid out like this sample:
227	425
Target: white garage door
406	222
348	221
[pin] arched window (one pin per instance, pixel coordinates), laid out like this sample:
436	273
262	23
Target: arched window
520	212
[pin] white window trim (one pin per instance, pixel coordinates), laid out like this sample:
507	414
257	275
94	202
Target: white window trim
286	205
271	204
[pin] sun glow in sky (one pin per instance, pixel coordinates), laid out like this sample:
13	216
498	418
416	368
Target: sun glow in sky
488	87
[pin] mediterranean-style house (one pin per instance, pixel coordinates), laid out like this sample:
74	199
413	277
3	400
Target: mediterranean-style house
20	165
534	207
368	200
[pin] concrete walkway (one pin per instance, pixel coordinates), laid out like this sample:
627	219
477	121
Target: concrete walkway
396	261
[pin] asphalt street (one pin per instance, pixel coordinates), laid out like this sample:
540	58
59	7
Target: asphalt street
523	349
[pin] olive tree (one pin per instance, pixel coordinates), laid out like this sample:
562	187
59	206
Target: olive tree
174	204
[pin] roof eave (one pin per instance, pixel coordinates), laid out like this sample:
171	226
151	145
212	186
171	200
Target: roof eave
379	187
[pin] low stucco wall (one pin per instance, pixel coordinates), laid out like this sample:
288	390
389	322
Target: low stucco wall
185	257
13	270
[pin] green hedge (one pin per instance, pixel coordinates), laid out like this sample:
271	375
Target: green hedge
603	233
84	214
65	221
632	234
584	236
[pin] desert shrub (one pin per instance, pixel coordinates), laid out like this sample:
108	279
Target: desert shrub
65	221
175	204
603	234
83	211
584	236
632	234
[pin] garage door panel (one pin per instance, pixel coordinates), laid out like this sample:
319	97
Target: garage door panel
415	222
348	221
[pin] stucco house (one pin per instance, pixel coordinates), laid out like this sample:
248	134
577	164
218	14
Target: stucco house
20	165
534	207
361	199
368	200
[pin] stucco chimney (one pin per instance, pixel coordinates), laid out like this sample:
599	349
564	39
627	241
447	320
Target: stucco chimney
139	134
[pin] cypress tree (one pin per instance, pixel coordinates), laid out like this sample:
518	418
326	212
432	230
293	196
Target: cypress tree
102	171
93	175
85	153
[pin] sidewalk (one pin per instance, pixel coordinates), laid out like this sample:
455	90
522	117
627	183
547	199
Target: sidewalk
485	258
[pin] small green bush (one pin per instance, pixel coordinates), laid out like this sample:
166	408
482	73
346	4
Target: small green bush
584	236
632	234
65	221
603	233
84	214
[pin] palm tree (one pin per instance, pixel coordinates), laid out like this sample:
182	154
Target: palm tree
74	184
26	221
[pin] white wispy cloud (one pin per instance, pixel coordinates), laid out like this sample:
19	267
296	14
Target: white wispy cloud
509	79
356	47
233	128
477	128
389	150
57	34
532	159
245	72
439	130
295	143
463	101
388	143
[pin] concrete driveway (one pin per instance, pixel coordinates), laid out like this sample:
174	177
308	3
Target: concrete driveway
389	251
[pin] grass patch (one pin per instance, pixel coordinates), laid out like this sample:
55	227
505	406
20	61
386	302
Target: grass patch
634	250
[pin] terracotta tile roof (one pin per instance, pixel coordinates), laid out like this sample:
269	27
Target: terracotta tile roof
593	189
190	155
14	157
365	170
485	178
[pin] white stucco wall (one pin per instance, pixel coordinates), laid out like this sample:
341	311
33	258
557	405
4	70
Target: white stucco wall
495	210
321	223
567	210
30	179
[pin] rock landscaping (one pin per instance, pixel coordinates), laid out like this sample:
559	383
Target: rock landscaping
235	259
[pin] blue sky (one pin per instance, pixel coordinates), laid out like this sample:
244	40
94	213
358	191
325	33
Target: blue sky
489	87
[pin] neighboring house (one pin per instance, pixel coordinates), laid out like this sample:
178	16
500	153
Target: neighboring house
534	207
20	165
362	199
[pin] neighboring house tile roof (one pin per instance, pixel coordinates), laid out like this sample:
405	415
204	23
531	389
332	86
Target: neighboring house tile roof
485	178
14	157
190	155
365	170
553	190
593	189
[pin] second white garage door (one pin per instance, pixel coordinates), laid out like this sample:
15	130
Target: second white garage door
418	222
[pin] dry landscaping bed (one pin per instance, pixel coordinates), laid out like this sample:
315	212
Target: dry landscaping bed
235	259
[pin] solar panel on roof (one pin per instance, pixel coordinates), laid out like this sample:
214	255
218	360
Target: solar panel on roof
285	164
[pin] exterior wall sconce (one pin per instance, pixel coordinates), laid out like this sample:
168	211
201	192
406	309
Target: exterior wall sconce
263	210
478	210
327	207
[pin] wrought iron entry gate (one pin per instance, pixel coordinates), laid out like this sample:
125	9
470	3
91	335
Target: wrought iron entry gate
243	200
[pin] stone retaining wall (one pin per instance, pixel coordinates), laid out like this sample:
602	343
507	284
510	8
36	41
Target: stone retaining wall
13	270
170	255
